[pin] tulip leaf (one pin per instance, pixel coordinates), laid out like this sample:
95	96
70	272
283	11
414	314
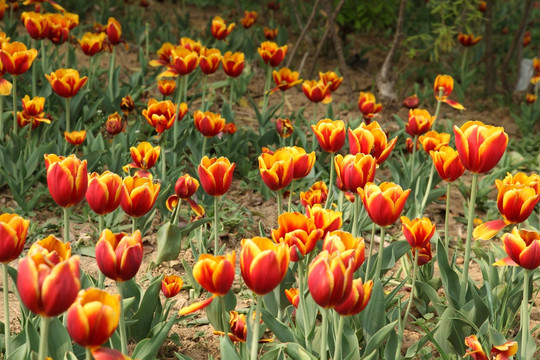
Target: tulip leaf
373	317
280	330
350	345
433	296
274	354
297	352
449	277
227	349
59	339
148	348
70	356
380	336
146	310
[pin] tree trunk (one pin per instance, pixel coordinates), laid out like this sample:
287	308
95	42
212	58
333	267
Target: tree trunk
303	33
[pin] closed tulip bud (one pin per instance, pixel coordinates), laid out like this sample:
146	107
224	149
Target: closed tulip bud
257	256
284	127
139	195
114	124
13	230
285	79
215	273
354	171
91	43
108	354
67	179
468	40
276	169
302	161
48	277
517	196
368	106
433	140
316	91
219	29
445	83
16	58
104	192
127	105
160	114
418	232
249	19
419	123
215	175
144	155
208	123
298	232
233	63
349	247
383	202
36	25
411	102
119	256
210	60
166	86
93	317
171	285
293	295
331	79
58	28
480	146
371	139
114	31
447	163
330	279
186	186
272	54
270	34
324	219
357	299
75	137
66	82
412	146
330	134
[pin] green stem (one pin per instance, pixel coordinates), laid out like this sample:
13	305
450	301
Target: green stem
279	207
339	338
340	201
409	304
368	266
463	65
147	39
100	225
163	163
43	56
222	319
465	278
204	144
525	315
1	118
14	93
331	182
441	89
255	327
185	89
265	95
122	324
66	224
314	138
231	92
380	256
88	354
324	335
43	337
290	197
111	73
68	116
302	303
412	160
446	237
7	327
133	224
203	98
216	231
356	210
428	189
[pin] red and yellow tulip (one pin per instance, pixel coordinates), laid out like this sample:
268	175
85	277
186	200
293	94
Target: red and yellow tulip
208	123
433	140
104	192
522	247
139	195
272	54
330	279
182	62
233	63
114	124
332	79
368	106
219	28
66	82
58	27
284	127
16	58
285	79
325	219
164	55
249	19
330	134
186	186
293	295
103	353
518	196
276	169
468	40
316	194
13	230
371	139
114	31
144	155
127	105
216	175
446	84
383	202
348	246
302	161
298	232
209	60
36	25
75	137
166	86
171	285
67	179
316	91
119	255
92	43
418	232
411	102
355	171
447	163
215	273
419	123
357	299
160	114
32	112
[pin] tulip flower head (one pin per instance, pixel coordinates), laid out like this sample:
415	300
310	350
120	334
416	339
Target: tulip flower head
530	98
368	106
144	155
215	175
330	134
285	79
349	247
139	195
208	123
443	87
480	146
166	86
257	256
233	63
59	27
517	197
127	105
104	192
433	140
92	43
357	299
272	54
32	112
219	28
498	352
411	102
36	25
316	194
215	273
371	139
186	186
383	202
331	79
182	62
114	124
13	230
160	114
103	353
67	179
447	163
468	40
424	254
209	60
16	58
249	19
119	255
270	34
164	55
523	249
355	171
276	169
66	82
418	232
171	285
330	279
302	161
316	91
114	31
298	232
75	137
93	317
284	127
419	123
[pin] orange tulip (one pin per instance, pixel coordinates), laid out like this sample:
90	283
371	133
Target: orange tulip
530	98
480	146
219	28
316	91
48	277
114	31
208	123
293	295
371	139
468	40
230	128
284	127
93	317
411	102
127	105
433	140
330	279
210	60
164	54
476	351
144	155
160	114
104	192
257	256
216	175
270	34
504	351
357	299
71	18
498	352
75	137
66	82
447	163
331	79
298	232
384	202
36	25
32	112
349	247
171	285
233	63
419	123
16	58
330	134
324	219
354	171
58	28
166	86
302	161
186	186
446	83
249	19
276	169
272	54
92	43
119	255
13	230
108	354
285	79
67	179
183	62
114	124
517	197
315	195
418	232
368	106
215	273
139	195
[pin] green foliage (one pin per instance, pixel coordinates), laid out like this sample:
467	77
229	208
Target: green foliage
367	16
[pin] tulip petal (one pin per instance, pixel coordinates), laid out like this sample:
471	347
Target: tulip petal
488	229
195	307
505	262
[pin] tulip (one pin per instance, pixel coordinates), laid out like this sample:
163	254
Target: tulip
108	354
138	195
75	137
368	106
16	58
298	232
272	54
171	285
164	54
127	105
357	299
424	254
522	247
432	140
160	114
330	134
302	161
316	194
209	60
498	352
249	19
468	40
476	351
233	63
284	127
114	124
257	256
480	146
238	326
411	102
13	230
186	186
93	317
36	25
516	200
166	86
183	62
92	43
58	28
419	123
331	79
67	179
293	295
191	44
208	123
383	202
119	255
316	91
104	192
442	87
530	98
219	28
504	351
354	171
215	175
447	163
285	79
276	169
66	82
215	273
144	155
418	232
371	139
330	279
114	31
349	247
32	112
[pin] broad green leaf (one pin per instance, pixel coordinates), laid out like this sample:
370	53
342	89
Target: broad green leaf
280	330
145	312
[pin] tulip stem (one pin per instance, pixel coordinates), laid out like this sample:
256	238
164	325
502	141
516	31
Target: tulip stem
446	237
438	108
324	334
380	256
428	188
525	314
231	92
356	210
302	303
409	304
68	116
7	327
111	73
1	118
14	91
256	326
265	95
88	354
222	320
368	266
203	104
290	197
100	225
413	154
463	64
44	337
122	325
216	231
133	224
204	143
43	56
339	338
331	181
465	278
146	38
66	225
279	207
